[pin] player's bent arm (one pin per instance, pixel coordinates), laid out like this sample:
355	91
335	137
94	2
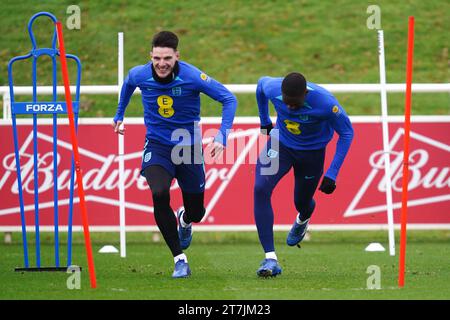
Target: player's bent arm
217	91
126	92
229	106
263	104
343	127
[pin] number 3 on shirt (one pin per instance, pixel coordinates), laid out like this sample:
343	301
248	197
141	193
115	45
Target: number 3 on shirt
293	127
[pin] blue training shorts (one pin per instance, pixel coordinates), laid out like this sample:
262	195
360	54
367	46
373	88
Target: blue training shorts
184	163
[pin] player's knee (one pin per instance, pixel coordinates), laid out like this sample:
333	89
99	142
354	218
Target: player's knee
160	196
306	207
261	189
301	206
195	214
194	207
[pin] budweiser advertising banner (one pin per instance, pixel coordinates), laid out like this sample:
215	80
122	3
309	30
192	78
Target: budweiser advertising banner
359	201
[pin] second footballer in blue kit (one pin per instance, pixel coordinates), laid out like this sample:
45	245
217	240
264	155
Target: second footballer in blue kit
307	117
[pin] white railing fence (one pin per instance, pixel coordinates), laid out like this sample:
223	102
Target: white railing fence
235	88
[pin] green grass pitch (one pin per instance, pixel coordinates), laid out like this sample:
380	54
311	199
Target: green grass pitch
332	265
238	41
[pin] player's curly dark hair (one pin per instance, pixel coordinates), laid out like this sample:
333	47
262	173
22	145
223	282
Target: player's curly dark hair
165	39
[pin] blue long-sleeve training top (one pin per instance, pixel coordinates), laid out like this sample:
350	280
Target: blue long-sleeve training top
176	105
312	126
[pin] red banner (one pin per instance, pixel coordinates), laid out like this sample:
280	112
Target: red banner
358	202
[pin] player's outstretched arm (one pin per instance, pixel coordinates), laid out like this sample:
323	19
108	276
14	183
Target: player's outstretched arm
343	127
220	93
263	107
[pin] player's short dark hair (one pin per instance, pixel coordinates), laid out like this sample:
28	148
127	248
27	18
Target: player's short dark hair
165	39
294	85
293	90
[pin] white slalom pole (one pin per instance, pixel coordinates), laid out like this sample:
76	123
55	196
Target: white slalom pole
386	148
123	249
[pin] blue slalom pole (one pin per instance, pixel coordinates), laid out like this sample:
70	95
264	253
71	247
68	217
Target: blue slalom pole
35	171
36	53
17	158
72	170
70	219
55	166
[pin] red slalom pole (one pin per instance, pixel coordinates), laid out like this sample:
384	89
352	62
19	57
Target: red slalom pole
76	155
405	178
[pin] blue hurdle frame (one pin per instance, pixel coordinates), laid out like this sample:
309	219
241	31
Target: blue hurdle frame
27	108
